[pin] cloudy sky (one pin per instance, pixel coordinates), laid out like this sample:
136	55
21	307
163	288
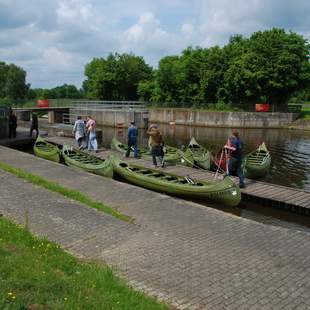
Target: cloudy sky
54	39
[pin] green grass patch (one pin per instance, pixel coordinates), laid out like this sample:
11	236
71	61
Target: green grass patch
67	192
305	112
36	274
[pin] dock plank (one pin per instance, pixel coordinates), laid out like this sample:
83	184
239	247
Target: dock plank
275	193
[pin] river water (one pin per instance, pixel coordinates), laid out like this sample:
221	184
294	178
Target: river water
290	149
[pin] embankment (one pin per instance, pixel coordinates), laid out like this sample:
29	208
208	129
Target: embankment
221	119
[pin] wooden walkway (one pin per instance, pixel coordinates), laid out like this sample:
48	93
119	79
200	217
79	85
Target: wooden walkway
278	196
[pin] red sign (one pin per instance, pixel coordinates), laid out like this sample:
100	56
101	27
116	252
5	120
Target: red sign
43	103
262	107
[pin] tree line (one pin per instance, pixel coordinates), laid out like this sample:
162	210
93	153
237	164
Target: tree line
269	66
15	90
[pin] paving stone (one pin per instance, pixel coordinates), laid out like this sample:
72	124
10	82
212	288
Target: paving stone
190	256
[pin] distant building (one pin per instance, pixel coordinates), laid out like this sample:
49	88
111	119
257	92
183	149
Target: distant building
4	122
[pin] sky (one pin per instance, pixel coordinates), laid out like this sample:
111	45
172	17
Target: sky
53	40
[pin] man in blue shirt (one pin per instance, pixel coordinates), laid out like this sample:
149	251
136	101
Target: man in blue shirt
235	160
132	140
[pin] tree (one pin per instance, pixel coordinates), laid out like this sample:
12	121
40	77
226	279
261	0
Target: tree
116	77
3	77
65	91
12	82
271	64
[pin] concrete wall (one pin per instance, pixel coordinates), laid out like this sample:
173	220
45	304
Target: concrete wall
112	117
222	119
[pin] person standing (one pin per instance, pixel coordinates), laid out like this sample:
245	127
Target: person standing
34	125
79	131
91	132
156	142
235	146
132	140
12	124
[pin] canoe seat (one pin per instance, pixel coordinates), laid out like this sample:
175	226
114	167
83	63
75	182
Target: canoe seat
158	175
146	172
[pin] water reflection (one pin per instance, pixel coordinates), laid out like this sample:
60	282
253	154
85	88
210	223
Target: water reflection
290	150
266	215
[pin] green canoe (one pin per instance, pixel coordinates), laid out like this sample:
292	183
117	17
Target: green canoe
223	191
257	163
46	150
202	157
172	155
85	161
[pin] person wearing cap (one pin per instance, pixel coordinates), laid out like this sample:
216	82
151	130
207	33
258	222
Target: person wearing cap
132	140
235	146
156	142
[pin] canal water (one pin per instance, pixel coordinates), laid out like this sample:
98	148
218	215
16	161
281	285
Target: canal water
290	149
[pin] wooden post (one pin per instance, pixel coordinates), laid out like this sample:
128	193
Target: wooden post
51	117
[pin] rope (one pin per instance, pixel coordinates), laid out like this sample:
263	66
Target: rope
192	163
218	164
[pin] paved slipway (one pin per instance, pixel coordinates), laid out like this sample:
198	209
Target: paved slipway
190	256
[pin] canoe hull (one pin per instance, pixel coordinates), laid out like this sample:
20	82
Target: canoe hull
104	169
201	156
173	155
46	150
203	162
225	191
257	163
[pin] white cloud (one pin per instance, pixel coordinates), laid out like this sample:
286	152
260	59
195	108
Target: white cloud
148	38
187	29
53	39
79	15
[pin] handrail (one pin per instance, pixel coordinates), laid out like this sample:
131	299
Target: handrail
108	105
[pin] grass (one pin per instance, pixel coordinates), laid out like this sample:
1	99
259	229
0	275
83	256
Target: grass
36	274
67	192
305	112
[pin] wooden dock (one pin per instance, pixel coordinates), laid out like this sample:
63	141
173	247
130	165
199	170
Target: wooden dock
292	199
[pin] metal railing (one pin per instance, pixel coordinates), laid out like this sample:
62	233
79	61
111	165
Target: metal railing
70	118
108	105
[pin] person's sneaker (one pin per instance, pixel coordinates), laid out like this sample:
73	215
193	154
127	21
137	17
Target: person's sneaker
242	185
154	166
163	165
